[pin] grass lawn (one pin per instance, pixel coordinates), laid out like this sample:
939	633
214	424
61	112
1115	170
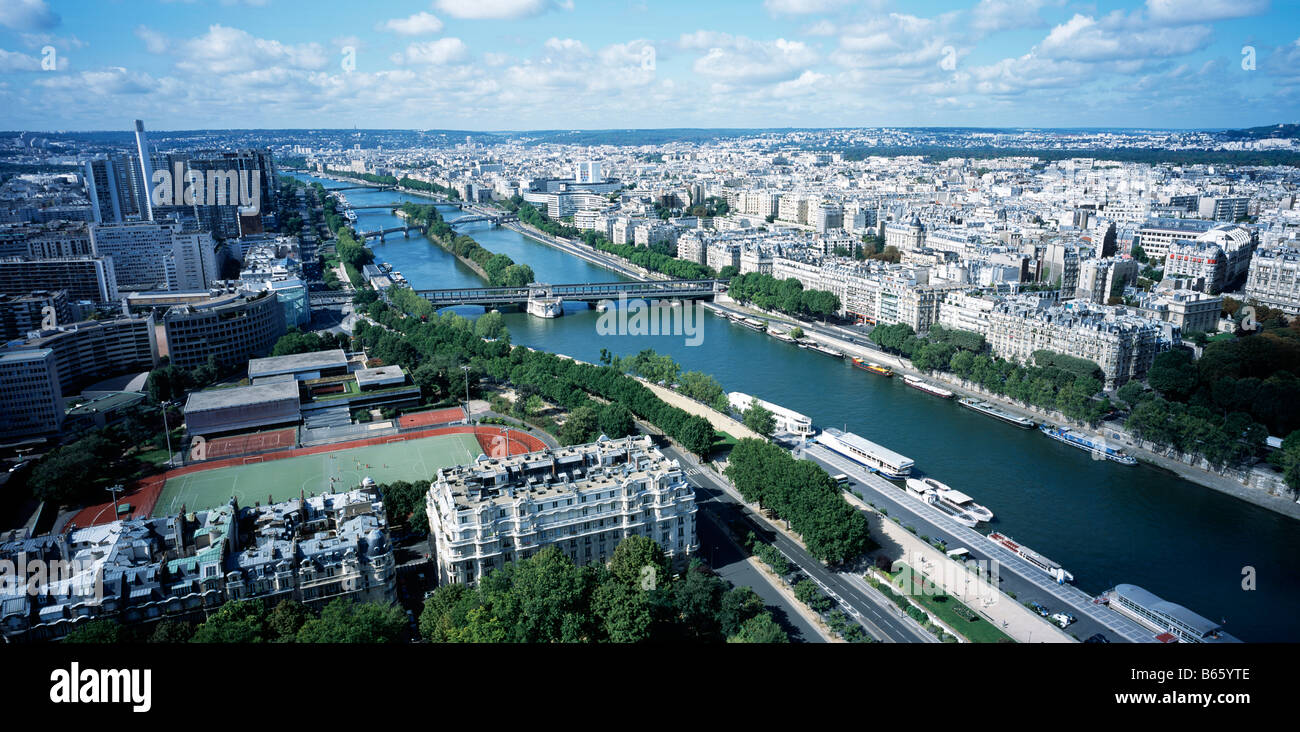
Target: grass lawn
722	441
944	607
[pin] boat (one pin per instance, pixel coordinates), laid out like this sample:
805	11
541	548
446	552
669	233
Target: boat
876	458
753	324
781	335
984	407
1053	570
960	507
873	367
822	349
784	420
927	387
1097	447
1172	622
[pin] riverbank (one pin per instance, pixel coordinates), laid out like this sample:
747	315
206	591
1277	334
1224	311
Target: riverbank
1200	476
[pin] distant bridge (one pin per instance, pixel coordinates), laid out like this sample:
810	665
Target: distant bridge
496	219
545	300
373	187
398	204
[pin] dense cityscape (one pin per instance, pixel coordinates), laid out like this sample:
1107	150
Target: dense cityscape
648	384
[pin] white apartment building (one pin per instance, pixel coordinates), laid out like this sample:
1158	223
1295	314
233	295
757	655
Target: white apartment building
1122	344
1274	278
582	499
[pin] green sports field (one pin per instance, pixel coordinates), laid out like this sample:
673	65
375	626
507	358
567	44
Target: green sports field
281	480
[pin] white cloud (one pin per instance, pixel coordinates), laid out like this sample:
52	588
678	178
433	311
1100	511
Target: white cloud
437	53
224	50
803	7
739	58
154	42
27	15
493	9
1180	12
17	61
419	24
115	80
990	16
1115	36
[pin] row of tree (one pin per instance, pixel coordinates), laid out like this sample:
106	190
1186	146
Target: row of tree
434	349
803	494
787	296
253	621
1064	384
502	271
545	598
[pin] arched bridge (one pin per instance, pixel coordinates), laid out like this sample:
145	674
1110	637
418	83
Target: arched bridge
539	297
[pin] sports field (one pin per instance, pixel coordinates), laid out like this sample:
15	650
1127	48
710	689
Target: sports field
325	472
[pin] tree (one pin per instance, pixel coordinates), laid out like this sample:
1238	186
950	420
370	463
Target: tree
490	325
237	621
96	631
580	427
639	561
760	419
623	612
760	629
697	600
697	436
347	621
1173	375
615	420
172	631
737	606
286	619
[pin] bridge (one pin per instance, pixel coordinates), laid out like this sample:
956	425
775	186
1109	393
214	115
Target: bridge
383	233
371	187
398	204
496	219
324	297
544	300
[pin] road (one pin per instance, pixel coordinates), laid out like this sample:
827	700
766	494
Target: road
730	563
881	618
1018	576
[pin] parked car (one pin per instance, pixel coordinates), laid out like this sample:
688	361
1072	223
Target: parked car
1097	638
1063	619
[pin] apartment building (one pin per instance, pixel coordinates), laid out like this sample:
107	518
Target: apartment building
1274	278
29	388
582	499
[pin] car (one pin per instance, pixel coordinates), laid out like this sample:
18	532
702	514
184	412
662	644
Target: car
1063	619
1097	638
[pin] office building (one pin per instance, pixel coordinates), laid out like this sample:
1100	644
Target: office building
230	328
93	350
83	278
158	255
33	400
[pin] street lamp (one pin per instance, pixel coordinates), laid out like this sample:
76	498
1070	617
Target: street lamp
465	368
114	489
171	456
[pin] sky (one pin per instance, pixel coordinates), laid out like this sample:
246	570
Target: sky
602	64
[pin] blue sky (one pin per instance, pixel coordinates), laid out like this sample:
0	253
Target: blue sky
592	64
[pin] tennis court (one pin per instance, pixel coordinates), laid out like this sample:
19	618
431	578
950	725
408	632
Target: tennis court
259	480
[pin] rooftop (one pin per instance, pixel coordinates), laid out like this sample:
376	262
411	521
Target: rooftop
314	361
237	396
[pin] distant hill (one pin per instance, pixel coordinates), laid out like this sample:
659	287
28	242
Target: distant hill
1282	131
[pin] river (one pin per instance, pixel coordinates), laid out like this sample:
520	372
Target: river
1107	523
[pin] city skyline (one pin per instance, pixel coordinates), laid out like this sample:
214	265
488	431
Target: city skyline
540	64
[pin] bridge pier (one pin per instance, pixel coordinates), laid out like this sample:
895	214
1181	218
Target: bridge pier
542	302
